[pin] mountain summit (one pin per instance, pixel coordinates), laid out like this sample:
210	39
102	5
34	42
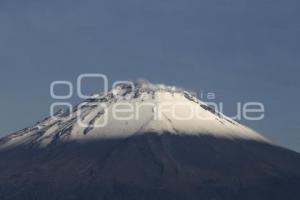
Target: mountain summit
130	109
144	141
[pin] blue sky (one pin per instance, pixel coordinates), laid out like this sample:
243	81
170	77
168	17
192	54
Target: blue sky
243	50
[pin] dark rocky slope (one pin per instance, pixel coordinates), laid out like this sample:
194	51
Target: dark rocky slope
151	166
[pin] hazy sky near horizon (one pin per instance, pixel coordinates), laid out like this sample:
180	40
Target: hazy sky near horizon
243	50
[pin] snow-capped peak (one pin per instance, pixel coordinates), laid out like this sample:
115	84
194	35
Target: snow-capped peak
130	109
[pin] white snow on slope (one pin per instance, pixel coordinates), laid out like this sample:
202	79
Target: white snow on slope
128	111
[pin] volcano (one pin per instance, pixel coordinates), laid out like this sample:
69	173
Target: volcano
144	141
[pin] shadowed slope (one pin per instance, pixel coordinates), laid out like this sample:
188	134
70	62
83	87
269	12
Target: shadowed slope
151	166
